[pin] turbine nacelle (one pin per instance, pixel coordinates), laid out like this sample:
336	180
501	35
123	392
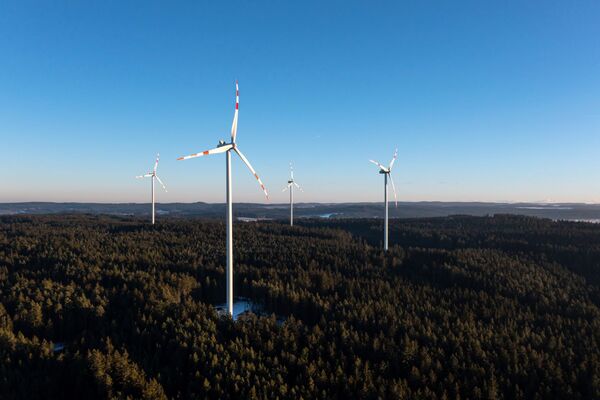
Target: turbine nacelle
152	174
223	146
388	172
291	182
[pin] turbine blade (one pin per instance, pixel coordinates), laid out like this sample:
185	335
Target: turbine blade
143	176
161	182
287	187
298	186
393	189
156	163
291	171
393	160
379	165
235	116
220	149
245	160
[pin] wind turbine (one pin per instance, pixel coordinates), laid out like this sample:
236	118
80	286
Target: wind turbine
387	172
290	186
226	148
153	176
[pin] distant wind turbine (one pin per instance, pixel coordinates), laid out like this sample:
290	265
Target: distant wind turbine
226	148
290	186
153	175
387	172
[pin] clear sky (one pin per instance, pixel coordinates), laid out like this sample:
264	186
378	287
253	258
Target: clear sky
485	100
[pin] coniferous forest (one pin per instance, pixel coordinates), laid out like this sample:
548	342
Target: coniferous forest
100	307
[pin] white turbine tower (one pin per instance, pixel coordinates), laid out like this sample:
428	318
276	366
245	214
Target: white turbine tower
290	186
226	148
153	176
387	172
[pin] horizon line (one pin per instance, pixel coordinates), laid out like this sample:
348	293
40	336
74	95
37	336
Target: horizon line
306	202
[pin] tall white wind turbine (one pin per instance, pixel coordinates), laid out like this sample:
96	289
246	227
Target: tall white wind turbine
226	148
153	175
290	187
387	172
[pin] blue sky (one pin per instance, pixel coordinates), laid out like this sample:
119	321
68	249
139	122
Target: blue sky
490	101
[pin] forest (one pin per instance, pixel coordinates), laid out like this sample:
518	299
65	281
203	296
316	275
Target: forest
103	307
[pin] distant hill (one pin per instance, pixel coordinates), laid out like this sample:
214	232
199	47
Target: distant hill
572	211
